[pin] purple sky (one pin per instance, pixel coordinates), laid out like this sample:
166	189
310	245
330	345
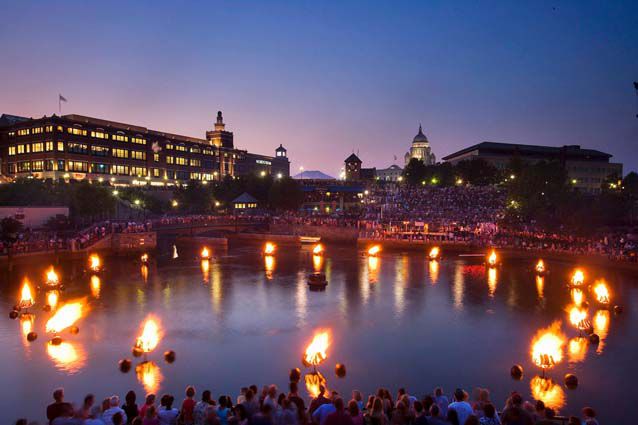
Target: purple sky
324	78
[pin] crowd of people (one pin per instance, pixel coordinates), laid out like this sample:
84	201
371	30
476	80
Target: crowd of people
269	406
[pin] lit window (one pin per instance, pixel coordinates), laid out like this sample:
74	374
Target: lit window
181	161
48	146
138	155
76	131
99	135
138	140
12	150
37	147
120	138
48	128
195	162
24	132
170	159
156	157
60	146
120	153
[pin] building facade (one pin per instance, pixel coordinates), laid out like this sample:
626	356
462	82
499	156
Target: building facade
76	147
587	169
390	174
420	149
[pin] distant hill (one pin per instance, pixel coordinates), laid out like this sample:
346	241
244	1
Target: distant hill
313	175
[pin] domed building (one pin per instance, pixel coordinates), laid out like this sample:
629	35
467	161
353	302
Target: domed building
420	149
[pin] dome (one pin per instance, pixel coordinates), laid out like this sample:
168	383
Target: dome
420	137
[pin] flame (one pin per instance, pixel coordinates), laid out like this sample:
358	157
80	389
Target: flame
67	356
95	286
492	280
95	263
313	381
435	252
547	346
602	292
205	266
52	298
548	391
492	259
149	375
578	278
175	254
316	351
150	336
52	278
144	258
205	254
601	327
65	317
577	296
540	286
269	248
577	349
578	317
318	249
434	271
26	297
540	266
374	250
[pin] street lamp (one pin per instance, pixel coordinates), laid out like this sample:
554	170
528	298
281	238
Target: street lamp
301	169
175	204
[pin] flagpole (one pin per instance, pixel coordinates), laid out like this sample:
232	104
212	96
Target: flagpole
59	105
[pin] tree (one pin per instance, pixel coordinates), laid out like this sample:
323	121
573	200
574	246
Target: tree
195	198
89	201
478	172
285	194
415	172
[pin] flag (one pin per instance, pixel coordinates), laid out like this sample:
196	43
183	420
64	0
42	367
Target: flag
62	98
636	85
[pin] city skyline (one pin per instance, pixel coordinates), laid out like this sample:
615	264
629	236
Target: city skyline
327	81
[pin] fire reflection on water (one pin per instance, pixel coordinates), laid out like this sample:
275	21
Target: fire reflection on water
540	287
68	356
492	281
269	264
577	349
95	286
434	271
601	327
548	391
317	262
149	375
373	269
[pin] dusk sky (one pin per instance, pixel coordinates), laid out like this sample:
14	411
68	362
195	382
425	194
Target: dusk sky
326	78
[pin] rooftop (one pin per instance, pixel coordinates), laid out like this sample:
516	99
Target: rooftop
567	151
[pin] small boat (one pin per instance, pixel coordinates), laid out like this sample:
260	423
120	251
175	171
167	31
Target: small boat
317	281
309	239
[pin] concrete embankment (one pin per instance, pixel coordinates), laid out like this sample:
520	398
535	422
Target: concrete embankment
112	244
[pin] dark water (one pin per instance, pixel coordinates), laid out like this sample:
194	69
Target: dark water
399	322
